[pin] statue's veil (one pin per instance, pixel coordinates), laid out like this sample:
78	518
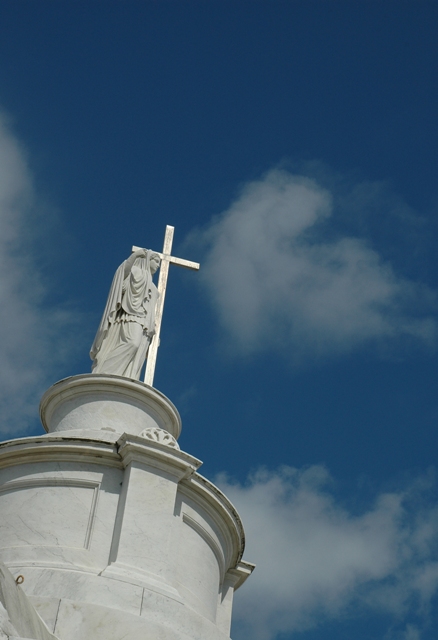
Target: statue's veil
114	301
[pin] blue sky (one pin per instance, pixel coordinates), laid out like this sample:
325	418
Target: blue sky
293	145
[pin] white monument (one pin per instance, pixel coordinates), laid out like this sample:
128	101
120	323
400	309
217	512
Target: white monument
107	530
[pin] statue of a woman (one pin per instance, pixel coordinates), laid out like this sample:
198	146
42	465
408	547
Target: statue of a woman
128	322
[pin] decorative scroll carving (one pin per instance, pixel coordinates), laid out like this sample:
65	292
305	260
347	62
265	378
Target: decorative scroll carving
159	435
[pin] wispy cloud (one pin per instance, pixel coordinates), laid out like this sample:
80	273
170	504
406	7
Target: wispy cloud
31	347
281	275
316	561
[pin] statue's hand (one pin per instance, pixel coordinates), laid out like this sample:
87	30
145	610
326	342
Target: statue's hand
150	333
138	253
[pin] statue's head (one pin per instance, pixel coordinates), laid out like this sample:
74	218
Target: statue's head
154	262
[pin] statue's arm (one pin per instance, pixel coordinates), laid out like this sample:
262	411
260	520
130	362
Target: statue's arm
140	253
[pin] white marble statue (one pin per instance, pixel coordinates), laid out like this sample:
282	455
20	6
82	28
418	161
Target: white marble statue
6	628
19	619
128	322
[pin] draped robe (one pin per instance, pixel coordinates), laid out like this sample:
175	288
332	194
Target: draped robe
122	341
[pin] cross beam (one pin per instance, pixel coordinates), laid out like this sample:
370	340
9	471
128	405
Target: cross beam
166	260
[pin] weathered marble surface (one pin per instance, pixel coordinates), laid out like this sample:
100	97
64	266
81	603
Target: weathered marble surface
81	621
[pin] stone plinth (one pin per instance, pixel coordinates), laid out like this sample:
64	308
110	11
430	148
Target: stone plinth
116	534
109	403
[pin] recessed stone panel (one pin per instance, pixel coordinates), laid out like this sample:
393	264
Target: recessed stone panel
47	512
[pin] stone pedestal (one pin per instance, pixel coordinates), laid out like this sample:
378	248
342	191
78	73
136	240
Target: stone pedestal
108	403
114	531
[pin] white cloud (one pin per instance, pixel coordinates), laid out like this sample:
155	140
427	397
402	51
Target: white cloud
316	561
280	276
411	633
29	330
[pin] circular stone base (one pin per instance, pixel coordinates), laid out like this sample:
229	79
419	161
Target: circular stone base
106	402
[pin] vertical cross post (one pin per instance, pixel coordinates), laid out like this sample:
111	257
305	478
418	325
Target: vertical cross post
166	259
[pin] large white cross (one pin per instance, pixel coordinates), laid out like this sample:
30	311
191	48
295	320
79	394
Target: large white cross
166	259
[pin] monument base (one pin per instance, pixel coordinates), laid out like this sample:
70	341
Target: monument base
113	530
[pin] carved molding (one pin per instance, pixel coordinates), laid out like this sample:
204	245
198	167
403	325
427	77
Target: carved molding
159	435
